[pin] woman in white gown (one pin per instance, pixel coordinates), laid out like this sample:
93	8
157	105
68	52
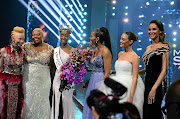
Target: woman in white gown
36	77
127	69
62	108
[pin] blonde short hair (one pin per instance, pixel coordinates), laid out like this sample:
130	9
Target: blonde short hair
40	30
18	29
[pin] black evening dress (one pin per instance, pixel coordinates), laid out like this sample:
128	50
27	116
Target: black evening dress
153	67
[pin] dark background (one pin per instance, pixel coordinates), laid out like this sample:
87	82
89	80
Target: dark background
12	14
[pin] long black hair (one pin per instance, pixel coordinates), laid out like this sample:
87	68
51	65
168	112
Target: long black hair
104	36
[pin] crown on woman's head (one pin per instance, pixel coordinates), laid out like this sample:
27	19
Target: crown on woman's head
65	27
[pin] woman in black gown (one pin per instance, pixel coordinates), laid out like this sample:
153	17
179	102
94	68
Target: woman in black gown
156	60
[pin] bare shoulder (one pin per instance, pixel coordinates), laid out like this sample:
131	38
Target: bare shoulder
106	51
148	47
135	56
166	46
120	53
2	50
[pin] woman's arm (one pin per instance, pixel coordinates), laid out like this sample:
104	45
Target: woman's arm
135	69
1	58
107	59
165	65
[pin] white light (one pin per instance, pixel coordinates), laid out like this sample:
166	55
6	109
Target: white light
126	7
113	14
138	49
179	26
84	35
170	25
159	7
126	13
162	16
114	2
153	14
174	33
177	22
141	7
84	20
84	27
140	65
66	5
84	42
113	8
70	19
141	16
140	24
71	5
70	12
150	39
154	0
85	5
126	20
172	3
174	39
139	41
69	41
174	45
140	33
78	41
147	3
85	13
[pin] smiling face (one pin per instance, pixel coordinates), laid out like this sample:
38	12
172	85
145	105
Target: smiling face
124	41
17	39
37	37
93	38
153	31
64	36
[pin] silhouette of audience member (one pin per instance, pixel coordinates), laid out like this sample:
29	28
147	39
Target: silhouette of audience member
172	101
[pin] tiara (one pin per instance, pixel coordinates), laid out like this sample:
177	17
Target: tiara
65	27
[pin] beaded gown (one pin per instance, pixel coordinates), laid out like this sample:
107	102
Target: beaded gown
94	83
37	82
153	67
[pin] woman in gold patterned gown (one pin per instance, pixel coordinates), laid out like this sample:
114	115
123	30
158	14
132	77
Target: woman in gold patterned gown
37	81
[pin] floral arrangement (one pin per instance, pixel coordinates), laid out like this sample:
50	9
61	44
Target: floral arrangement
74	70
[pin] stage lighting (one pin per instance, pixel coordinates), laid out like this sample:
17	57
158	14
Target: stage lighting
85	5
170	25
140	24
126	20
126	13
140	33
84	20
114	2
138	49
174	39
150	39
113	14
162	16
153	15
174	45
147	3
70	12
140	66
113	8
84	27
159	7
141	7
69	41
84	34
174	33
126	7
84	42
78	41
139	41
85	13
172	3
179	26
66	5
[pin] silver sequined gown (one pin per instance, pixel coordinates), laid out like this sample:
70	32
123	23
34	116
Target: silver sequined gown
36	83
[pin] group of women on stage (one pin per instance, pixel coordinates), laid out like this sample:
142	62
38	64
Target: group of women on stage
25	93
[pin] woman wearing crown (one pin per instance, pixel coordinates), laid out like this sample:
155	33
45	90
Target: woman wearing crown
62	103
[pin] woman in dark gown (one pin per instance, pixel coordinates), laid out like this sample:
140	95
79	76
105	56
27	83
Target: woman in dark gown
156	60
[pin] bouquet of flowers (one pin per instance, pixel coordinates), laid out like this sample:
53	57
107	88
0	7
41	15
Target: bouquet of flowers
74	70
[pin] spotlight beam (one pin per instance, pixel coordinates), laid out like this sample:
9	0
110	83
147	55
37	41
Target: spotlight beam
77	8
37	16
80	5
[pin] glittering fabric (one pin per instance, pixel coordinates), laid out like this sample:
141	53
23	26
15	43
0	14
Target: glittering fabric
36	83
11	84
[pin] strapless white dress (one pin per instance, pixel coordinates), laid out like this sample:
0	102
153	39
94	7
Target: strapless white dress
124	76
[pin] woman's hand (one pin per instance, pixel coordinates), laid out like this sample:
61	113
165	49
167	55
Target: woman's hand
130	100
83	87
151	97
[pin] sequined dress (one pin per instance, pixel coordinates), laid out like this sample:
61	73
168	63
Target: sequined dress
94	83
11	84
37	82
67	100
153	67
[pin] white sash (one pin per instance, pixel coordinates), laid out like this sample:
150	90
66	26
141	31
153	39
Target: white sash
57	58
